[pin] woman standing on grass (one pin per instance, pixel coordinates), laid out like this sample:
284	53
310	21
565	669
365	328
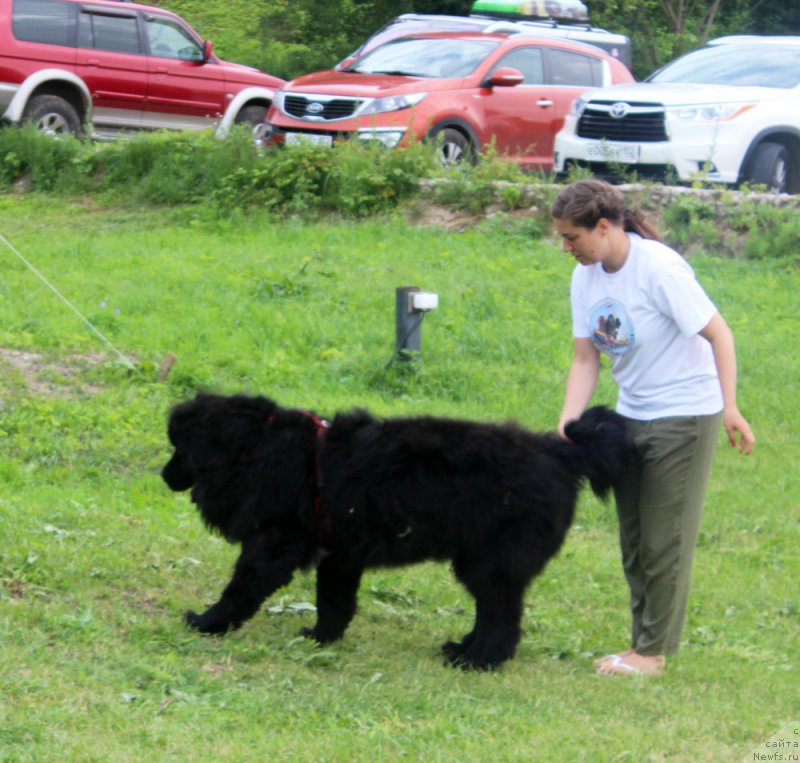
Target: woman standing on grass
673	357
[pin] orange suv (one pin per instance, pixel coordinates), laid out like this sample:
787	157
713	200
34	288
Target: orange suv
467	91
118	66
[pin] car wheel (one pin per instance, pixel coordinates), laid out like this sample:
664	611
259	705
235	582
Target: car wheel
52	115
452	147
769	166
251	115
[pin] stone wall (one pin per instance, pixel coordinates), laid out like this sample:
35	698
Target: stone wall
649	196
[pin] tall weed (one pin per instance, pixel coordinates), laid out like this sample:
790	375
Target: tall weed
44	163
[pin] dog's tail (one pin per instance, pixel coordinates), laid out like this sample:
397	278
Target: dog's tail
598	447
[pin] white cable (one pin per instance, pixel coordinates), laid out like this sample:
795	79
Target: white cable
74	309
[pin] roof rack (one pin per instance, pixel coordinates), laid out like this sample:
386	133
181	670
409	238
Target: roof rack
567	10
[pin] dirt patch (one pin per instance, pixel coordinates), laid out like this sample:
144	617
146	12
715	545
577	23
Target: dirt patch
433	215
441	216
63	377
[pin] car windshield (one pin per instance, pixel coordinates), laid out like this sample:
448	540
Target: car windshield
424	57
761	65
403	27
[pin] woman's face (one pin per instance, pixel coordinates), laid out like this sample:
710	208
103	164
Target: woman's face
587	245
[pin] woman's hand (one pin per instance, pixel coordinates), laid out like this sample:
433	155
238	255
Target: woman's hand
734	423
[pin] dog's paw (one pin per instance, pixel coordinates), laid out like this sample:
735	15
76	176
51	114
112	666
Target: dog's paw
320	635
204	624
466	662
452	650
478	659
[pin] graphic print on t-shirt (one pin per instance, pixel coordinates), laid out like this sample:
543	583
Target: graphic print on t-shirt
611	327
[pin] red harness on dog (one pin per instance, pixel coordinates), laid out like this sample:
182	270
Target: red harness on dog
322	428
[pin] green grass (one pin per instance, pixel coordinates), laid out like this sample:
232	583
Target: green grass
98	559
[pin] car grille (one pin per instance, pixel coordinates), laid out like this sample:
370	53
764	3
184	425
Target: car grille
642	122
328	108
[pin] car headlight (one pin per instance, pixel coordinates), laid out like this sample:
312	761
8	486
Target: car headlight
393	103
577	107
716	112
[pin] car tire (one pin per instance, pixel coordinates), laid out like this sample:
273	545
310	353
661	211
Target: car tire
769	166
251	115
53	115
452	146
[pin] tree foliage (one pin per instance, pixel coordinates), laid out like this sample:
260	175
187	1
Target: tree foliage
293	37
661	30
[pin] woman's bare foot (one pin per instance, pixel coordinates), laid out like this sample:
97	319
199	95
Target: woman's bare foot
631	663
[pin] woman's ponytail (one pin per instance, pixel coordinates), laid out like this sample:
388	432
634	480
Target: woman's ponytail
635	221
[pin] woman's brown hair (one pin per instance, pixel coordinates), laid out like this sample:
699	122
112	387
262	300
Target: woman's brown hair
586	202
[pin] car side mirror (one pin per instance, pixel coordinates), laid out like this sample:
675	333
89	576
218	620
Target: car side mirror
207	45
505	76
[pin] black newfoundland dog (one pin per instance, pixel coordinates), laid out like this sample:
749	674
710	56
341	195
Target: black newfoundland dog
295	492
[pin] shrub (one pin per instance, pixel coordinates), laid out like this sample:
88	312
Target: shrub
369	179
770	232
748	229
46	164
180	168
691	223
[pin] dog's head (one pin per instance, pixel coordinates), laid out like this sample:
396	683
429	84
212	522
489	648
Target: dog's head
212	434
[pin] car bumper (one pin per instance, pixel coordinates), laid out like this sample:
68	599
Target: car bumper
707	151
392	130
270	134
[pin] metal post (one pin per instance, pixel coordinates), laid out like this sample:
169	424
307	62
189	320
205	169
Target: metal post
408	322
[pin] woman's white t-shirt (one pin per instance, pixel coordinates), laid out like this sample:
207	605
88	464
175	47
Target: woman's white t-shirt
646	318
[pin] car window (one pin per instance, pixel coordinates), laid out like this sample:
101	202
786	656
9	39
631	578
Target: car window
422	57
169	40
48	21
574	69
529	61
101	31
736	64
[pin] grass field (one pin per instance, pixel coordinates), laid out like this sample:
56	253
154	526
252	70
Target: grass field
98	559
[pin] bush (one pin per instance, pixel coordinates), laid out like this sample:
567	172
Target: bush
746	229
46	164
180	168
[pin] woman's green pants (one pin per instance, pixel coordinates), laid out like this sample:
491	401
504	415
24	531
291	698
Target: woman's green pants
659	504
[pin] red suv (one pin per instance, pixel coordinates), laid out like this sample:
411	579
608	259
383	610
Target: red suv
118	66
466	90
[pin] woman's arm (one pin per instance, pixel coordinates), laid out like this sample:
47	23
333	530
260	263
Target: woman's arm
719	335
581	381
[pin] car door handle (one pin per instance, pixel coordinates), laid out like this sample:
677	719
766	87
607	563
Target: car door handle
545	103
162	70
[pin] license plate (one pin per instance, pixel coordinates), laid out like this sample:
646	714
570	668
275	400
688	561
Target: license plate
294	138
625	153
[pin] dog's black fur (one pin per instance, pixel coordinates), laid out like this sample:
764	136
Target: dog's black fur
495	500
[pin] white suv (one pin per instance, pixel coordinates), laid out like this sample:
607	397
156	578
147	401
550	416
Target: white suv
726	113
